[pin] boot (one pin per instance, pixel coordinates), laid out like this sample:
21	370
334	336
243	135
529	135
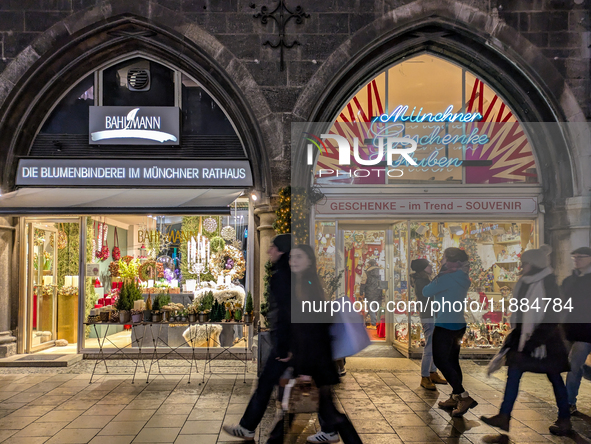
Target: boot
501	421
427	383
436	378
451	403
561	427
464	403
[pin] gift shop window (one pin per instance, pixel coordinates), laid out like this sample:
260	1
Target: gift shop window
422	98
167	272
494	250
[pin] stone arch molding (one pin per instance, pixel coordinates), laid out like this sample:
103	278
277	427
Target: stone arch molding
483	44
71	48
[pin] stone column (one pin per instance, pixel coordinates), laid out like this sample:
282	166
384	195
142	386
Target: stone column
266	233
7	285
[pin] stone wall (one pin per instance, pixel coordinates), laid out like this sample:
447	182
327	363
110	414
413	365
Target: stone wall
559	28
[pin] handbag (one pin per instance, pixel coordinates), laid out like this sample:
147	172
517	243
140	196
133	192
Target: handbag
116	253
348	332
300	396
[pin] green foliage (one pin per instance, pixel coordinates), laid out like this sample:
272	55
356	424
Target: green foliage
330	282
216	244
282	224
215	315
207	277
267	292
207	301
68	258
91	297
248	307
228	315
160	301
125	301
238	315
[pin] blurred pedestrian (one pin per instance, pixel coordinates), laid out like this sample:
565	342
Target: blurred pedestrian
577	327
312	351
280	318
451	285
420	278
535	344
370	288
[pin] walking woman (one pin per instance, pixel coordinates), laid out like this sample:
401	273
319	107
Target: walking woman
535	344
451	285
312	353
420	279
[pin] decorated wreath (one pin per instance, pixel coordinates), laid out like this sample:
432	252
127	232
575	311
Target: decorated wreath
151	270
228	262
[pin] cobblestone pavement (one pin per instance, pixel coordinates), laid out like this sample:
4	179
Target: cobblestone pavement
386	406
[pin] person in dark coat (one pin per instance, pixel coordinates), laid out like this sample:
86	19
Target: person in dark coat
370	288
577	328
280	318
535	344
419	279
312	348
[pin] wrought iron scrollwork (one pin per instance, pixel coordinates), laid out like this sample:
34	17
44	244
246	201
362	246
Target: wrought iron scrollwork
282	15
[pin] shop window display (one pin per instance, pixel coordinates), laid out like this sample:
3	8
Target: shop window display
494	250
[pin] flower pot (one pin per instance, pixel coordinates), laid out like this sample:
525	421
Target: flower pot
203	317
183	319
247	318
136	318
156	317
124	316
147	315
192	317
104	316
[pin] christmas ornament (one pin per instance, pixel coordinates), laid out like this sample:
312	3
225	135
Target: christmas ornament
228	233
210	225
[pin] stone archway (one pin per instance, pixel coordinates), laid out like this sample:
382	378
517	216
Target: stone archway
486	46
70	49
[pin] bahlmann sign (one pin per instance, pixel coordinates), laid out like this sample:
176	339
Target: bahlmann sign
133	173
134	125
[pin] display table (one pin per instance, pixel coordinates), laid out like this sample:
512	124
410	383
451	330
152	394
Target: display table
156	335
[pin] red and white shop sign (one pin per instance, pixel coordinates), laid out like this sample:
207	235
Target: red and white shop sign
359	205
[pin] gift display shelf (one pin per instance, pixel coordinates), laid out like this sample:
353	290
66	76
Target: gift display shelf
158	339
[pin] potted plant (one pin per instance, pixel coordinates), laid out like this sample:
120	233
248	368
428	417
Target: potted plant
184	314
192	313
248	308
156	316
136	316
228	316
124	304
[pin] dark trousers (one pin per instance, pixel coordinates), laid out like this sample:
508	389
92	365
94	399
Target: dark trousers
446	356
331	420
260	399
512	389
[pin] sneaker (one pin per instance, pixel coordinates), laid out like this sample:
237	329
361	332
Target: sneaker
451	403
464	404
342	371
573	409
561	427
427	383
323	437
436	378
239	432
501	421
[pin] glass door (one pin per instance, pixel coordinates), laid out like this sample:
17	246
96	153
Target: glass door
42	288
51	284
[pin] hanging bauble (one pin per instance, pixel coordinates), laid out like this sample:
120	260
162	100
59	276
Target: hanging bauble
237	244
39	237
228	233
62	240
210	225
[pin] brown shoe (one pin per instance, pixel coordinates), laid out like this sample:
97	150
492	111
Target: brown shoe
427	383
449	404
464	404
436	378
